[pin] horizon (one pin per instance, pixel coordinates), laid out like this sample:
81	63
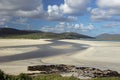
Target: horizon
62	32
88	17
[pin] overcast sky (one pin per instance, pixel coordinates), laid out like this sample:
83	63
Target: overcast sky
91	17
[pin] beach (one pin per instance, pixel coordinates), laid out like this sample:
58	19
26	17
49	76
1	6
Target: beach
17	54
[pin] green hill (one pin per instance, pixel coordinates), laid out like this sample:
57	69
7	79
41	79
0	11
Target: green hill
27	34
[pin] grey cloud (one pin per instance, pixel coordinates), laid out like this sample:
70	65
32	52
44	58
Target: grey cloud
20	8
108	10
32	9
19	4
24	8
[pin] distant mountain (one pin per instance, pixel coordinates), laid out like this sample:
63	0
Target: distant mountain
34	34
106	36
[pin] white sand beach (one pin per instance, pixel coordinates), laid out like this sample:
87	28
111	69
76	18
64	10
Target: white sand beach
17	54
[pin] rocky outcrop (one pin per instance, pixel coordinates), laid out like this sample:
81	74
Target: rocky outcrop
94	72
51	68
74	71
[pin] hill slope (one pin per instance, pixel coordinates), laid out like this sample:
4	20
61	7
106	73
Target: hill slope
33	34
108	37
9	31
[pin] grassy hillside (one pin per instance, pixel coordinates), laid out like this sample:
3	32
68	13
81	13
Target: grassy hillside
12	31
4	76
18	34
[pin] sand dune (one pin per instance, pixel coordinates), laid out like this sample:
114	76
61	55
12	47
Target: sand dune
16	55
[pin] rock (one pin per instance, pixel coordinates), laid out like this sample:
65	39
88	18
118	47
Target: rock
108	73
51	68
77	71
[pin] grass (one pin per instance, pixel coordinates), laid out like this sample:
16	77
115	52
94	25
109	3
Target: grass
22	76
44	35
54	77
107	78
30	36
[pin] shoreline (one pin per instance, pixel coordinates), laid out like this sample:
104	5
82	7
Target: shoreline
74	55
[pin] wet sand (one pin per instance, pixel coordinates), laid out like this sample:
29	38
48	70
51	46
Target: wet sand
16	55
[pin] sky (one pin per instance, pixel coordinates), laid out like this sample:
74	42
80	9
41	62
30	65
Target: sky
89	17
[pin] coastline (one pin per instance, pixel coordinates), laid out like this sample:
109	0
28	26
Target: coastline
19	54
91	55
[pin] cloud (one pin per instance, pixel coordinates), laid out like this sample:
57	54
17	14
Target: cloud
76	7
32	9
24	8
111	25
19	4
20	8
107	10
98	14
21	20
113	4
4	20
83	27
55	14
68	27
70	8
